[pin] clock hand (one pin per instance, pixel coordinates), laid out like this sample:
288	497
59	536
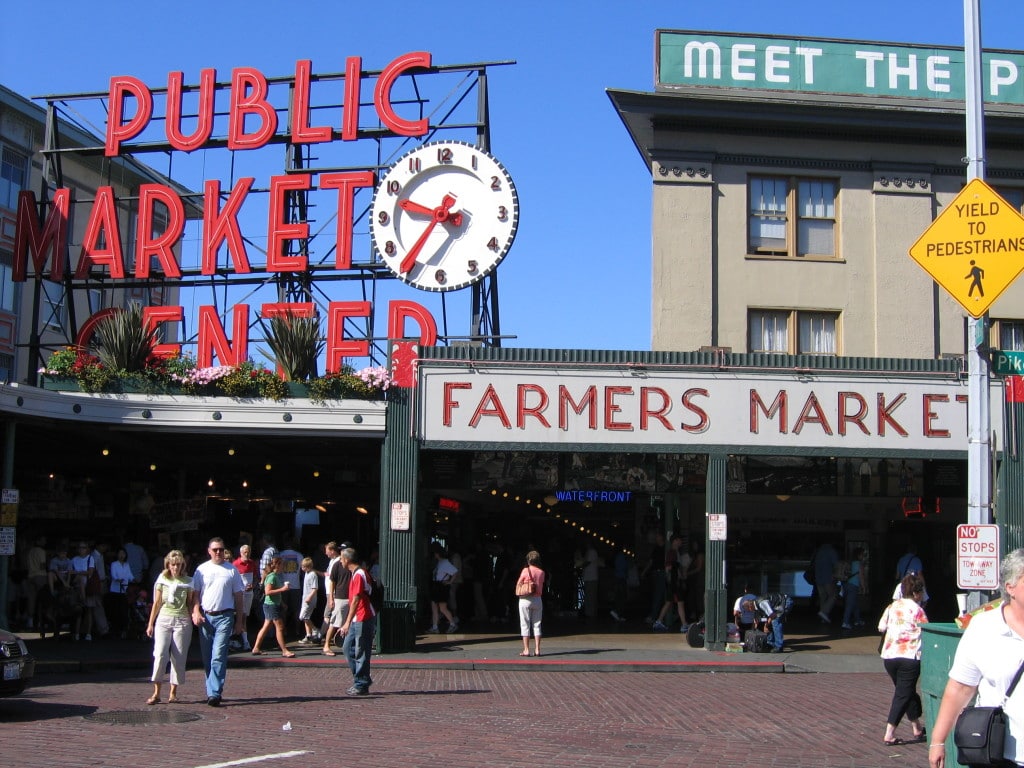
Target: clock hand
411	207
439	214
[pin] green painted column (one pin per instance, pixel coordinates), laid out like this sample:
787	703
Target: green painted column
1009	507
716	610
398	548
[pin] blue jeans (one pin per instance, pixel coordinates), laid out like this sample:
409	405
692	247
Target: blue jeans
214	634
357	646
851	613
775	634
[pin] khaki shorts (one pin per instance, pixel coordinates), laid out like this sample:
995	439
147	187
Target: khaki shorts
339	613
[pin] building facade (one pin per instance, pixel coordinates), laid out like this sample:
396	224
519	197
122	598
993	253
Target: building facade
787	191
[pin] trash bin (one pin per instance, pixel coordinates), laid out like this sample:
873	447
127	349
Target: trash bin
938	647
397	627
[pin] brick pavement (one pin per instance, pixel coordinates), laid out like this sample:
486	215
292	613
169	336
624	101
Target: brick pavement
456	718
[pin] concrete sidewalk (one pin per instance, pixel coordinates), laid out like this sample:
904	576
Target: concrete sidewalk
567	648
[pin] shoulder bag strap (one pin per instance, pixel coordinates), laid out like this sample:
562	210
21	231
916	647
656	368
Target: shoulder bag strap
1013	683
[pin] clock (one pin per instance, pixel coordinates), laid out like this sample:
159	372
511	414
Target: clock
444	216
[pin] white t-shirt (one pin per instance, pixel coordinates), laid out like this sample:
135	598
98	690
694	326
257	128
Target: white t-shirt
444	569
216	585
292	571
988	656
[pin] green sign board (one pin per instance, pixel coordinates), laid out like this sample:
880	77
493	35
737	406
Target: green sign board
1008	363
818	65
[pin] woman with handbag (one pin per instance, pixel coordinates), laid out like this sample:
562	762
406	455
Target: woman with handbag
987	661
901	651
529	588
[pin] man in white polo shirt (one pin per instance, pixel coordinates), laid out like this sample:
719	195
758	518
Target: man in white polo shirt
218	615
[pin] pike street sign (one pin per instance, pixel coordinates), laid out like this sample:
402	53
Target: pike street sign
1008	363
975	248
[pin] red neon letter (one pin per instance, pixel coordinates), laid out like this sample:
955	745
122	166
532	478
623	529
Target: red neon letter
382	94
611	408
705	421
346	184
337	348
102	225
812	413
302	132
148	244
645	407
930	416
89	326
248	96
118	131
587	402
350	109
537	411
29	239
490	405
449	404
885	414
211	337
400	310
204	110
154	316
779	405
285	309
279	231
220	225
858	417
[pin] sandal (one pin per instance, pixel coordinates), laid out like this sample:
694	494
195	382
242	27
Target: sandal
154	699
918	738
172	699
525	653
254	652
327	652
288	655
894	742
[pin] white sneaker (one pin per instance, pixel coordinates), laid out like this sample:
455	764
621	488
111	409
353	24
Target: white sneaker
615	615
453	627
88	637
824	617
433	631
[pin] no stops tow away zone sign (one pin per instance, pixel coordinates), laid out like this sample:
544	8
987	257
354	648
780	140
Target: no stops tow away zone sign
975	248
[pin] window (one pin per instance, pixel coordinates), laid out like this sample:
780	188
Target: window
793	332
1009	334
51	305
13	176
774	230
8	290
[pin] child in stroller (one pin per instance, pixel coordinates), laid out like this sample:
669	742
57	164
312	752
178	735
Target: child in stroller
139	607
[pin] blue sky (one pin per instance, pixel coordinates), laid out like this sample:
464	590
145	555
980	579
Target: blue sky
579	272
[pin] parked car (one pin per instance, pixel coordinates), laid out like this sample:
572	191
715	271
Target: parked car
18	665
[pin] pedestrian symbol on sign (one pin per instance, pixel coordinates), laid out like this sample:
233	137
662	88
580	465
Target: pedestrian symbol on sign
975	276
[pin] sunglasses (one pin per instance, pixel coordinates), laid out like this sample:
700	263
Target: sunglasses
216	549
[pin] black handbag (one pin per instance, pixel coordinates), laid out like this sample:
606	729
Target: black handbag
980	732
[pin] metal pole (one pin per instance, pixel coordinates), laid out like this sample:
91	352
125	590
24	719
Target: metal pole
979	479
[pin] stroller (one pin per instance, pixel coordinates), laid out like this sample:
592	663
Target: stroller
139	608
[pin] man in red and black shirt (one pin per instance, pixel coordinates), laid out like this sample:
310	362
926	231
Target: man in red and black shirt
359	625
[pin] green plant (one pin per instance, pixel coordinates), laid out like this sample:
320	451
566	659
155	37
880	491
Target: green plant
296	345
124	342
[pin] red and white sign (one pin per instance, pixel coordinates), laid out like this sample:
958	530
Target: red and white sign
977	556
717	527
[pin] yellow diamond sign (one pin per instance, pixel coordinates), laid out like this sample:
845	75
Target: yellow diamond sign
975	248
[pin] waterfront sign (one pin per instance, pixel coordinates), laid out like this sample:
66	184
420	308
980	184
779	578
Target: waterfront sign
977	556
975	248
820	65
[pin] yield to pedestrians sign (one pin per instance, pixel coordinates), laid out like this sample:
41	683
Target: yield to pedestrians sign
977	556
975	248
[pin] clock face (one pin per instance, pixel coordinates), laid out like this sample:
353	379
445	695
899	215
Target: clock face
444	216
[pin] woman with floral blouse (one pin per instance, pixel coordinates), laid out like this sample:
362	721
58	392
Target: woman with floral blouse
901	652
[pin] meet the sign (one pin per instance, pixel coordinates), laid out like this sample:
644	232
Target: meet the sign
816	65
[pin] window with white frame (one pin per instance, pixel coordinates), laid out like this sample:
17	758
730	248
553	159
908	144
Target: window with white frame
13	176
792	217
8	289
793	332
